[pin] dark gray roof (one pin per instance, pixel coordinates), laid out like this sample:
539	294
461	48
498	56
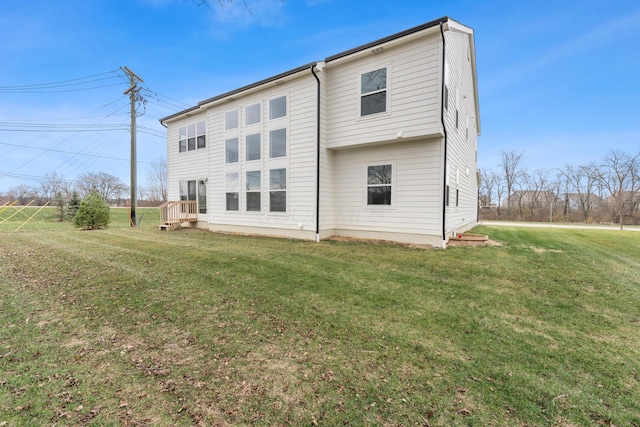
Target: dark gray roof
307	66
388	39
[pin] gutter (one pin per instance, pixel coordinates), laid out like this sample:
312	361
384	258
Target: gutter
444	128
318	105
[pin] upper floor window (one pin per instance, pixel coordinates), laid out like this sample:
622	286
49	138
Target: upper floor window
200	135
278	107
231	150
252	114
192	136
373	92
231	120
253	147
277	143
379	184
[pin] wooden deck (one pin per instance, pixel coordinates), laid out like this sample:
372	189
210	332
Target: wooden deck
174	213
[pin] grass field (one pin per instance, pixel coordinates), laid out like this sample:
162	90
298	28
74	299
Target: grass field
140	327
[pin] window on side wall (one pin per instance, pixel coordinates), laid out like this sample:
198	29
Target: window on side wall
231	120
253	147
252	114
231	150
278	190
231	190
201	138
182	139
379	185
277	143
191	137
373	92
278	107
252	186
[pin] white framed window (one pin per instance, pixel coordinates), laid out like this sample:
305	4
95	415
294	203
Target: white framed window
278	190
373	92
445	101
231	187
379	184
231	150
231	120
278	143
252	191
201	137
192	137
278	107
202	196
252	114
252	147
195	190
182	139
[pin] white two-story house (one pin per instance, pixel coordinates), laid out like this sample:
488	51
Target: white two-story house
377	142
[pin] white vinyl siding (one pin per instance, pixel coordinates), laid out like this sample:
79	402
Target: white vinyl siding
294	151
282	115
461	136
417	206
412	95
187	165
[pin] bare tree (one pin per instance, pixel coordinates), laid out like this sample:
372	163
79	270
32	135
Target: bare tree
52	184
157	186
618	174
580	185
110	187
21	193
512	170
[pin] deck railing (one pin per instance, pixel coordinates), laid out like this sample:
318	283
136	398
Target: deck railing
177	212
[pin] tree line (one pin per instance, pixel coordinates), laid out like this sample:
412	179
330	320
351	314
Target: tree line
604	191
54	187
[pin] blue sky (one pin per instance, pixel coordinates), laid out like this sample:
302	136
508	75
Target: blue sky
559	80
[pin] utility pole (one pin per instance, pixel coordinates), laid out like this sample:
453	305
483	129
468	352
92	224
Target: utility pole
133	96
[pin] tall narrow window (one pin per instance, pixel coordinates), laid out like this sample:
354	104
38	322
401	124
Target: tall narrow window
252	114
253	147
457	107
191	137
231	191
278	143
277	107
231	120
184	190
379	184
201	135
253	191
191	190
202	197
373	92
467	131
231	150
278	190
182	139
446	86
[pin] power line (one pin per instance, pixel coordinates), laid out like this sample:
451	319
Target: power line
58	84
75	153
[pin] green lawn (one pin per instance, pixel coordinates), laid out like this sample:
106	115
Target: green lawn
140	327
